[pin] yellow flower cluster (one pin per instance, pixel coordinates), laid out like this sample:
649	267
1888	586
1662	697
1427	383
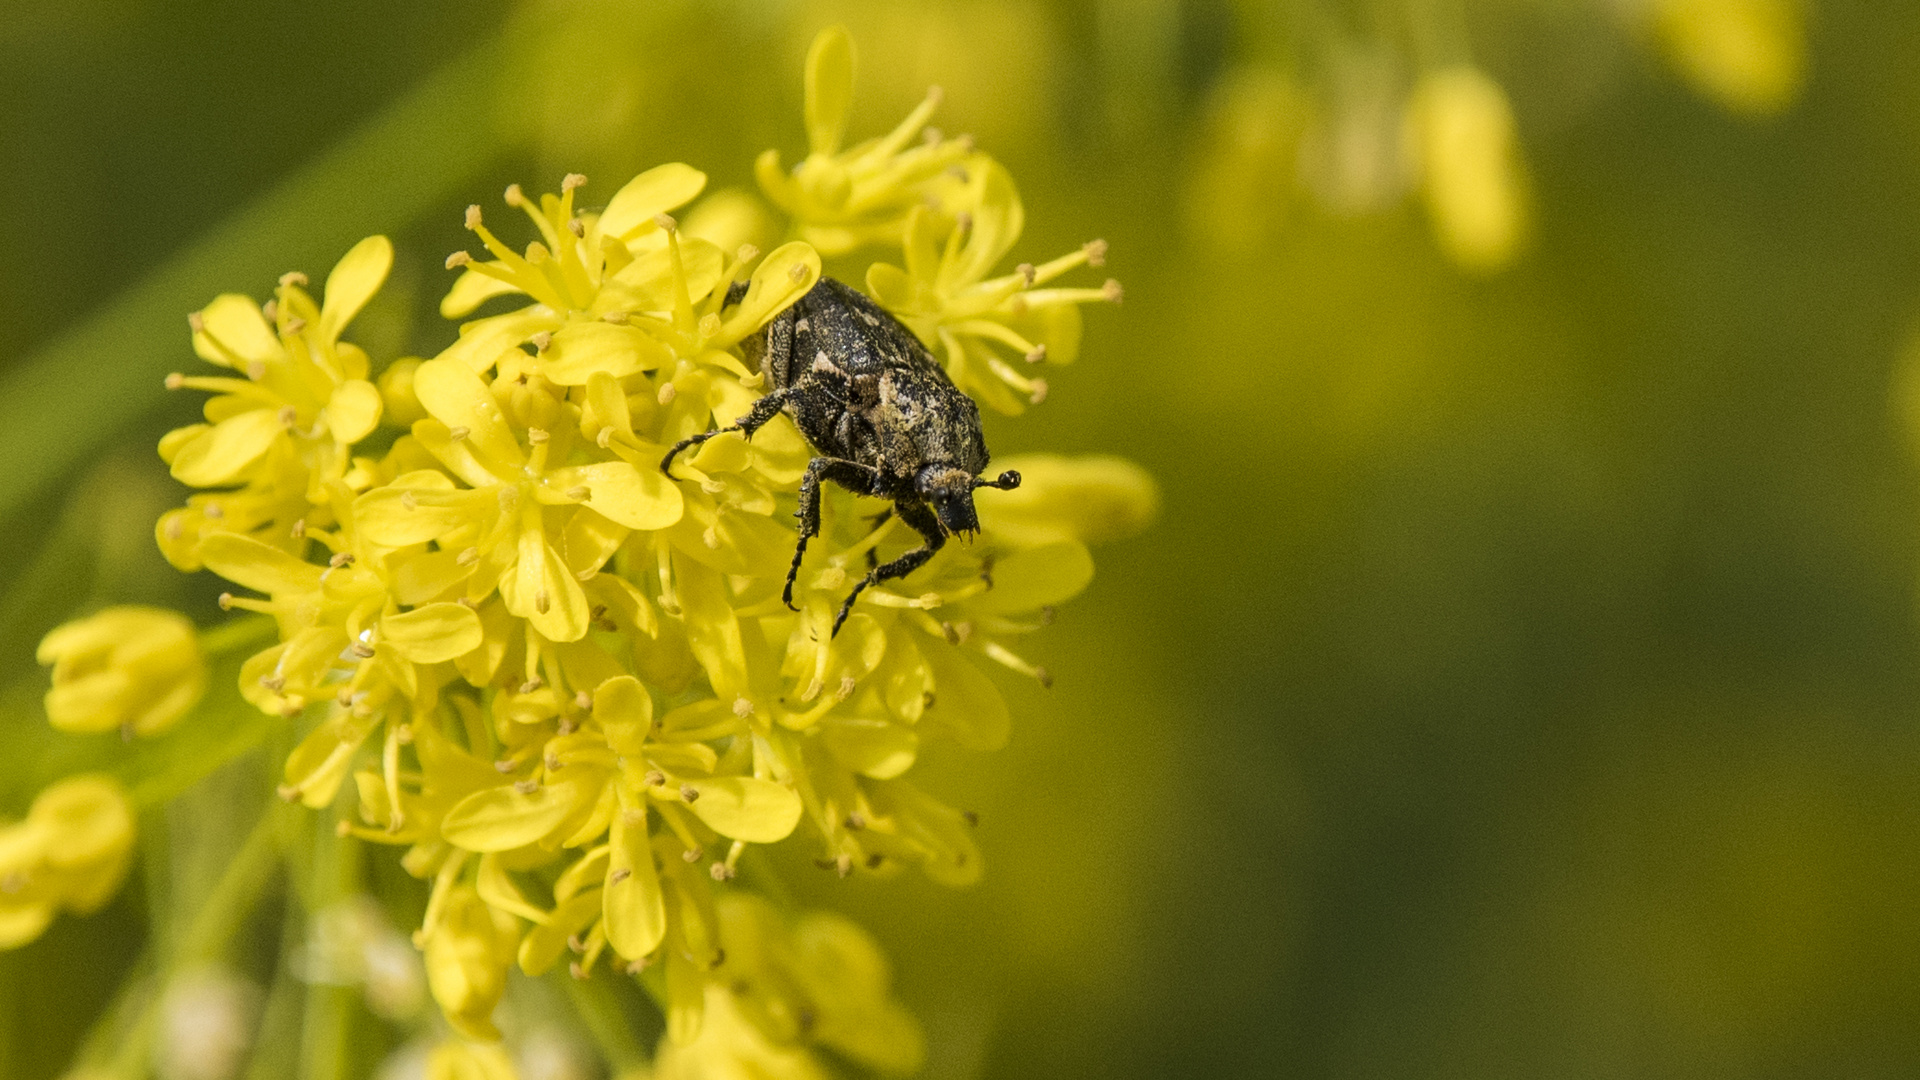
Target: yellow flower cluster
566	682
69	854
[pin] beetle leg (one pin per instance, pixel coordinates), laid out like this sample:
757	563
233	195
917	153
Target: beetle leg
877	520
928	526
763	411
851	475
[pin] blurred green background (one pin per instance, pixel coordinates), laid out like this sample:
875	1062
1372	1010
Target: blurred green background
1521	679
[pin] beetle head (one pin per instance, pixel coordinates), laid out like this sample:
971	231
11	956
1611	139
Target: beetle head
950	491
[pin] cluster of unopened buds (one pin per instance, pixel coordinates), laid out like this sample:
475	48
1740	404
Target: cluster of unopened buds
565	682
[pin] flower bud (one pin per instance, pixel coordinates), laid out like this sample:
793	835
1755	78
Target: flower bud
135	668
1748	55
1460	129
71	853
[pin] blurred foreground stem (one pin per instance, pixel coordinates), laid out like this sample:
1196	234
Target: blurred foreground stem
120	1041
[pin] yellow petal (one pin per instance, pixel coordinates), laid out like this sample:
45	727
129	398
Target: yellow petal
589	871
686	1000
635	910
85	818
782	278
829	88
223	452
656	191
757	811
545	944
499	890
398	516
482	341
634	497
1093	499
23	922
605	407
353	410
355	278
432	633
700	721
456	397
712	629
890	287
589	541
624	710
1032	578
873	748
261	567
998	219
966	704
937	833
652	281
234	322
465	966
503	818
541	590
581	350
470	290
319	764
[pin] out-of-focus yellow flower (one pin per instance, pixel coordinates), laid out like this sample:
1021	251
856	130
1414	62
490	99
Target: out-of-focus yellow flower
731	1047
1094	499
457	1059
841	199
1748	55
1248	163
469	947
1460	131
69	854
138	669
821	980
279	429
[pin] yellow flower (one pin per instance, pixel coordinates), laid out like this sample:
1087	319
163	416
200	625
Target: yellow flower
978	324
821	980
617	292
1460	130
280	428
137	669
71	853
1749	55
730	1047
842	199
469	946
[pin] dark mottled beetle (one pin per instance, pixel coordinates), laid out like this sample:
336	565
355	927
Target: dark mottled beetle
882	413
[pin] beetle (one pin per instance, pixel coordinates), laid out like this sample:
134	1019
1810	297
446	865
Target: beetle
882	415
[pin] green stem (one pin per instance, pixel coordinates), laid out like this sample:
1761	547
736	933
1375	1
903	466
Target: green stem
236	634
326	1033
122	1038
593	1000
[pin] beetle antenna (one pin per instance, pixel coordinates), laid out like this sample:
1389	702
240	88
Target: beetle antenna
1007	481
